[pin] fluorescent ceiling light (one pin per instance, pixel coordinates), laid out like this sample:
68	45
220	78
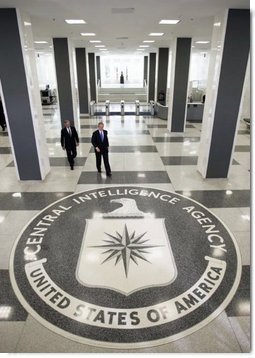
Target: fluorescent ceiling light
100	46
95	41
140	49
16	195
88	34
144	46
217	24
72	22
27	23
156	34
169	22
149	41
103	49
202	42
40	42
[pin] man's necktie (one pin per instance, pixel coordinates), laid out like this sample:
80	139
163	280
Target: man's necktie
70	132
102	136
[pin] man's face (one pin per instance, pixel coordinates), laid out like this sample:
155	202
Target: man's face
100	127
67	124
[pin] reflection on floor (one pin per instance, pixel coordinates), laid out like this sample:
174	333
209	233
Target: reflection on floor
142	151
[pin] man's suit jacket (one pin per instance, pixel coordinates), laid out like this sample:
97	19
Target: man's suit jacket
68	141
97	141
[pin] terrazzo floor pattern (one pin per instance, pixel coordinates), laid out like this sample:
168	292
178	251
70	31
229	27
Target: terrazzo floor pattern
142	152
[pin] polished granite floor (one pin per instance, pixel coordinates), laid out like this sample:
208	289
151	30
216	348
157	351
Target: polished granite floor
142	152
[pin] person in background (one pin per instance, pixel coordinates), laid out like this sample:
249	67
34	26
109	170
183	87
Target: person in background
100	143
122	78
69	142
2	116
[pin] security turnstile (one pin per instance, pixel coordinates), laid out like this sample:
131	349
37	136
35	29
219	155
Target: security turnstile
152	105
92	108
107	108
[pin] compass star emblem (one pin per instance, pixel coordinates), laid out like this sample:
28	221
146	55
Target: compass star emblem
126	247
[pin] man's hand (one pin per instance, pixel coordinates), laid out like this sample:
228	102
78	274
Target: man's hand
97	149
77	144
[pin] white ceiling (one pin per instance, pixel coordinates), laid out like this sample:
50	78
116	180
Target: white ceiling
197	17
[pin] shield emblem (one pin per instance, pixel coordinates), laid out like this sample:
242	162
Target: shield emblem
126	255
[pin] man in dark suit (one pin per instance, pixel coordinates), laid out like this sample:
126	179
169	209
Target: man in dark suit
100	142
69	142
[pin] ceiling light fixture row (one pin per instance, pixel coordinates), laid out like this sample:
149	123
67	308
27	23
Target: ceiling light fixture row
158	34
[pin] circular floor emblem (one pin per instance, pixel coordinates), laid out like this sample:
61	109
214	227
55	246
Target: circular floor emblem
121	266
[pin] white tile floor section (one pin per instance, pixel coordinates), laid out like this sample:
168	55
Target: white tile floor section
223	334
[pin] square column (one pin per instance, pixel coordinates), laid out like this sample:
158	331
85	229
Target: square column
98	68
152	73
65	78
92	77
163	56
179	84
145	68
21	96
82	79
227	68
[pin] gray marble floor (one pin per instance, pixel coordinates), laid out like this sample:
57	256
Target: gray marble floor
142	151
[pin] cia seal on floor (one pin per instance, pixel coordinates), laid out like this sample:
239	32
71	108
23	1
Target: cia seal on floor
125	267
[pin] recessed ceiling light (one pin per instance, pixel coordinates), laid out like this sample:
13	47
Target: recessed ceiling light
88	34
202	42
17	195
103	49
27	23
95	41
168	22
100	46
144	46
140	49
156	34
74	22
149	41
217	24
40	42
